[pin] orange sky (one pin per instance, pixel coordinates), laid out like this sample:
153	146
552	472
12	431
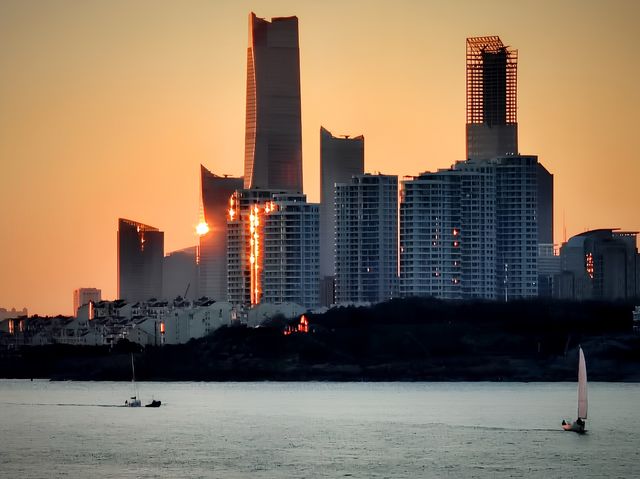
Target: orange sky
107	109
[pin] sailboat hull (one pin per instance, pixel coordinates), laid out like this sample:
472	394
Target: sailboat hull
574	427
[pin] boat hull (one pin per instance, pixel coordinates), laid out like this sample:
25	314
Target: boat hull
574	427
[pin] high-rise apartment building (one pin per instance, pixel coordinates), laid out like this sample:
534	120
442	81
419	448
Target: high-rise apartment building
430	232
212	257
291	259
366	239
140	253
448	233
273	248
517	226
341	157
471	231
492	73
273	136
244	245
82	296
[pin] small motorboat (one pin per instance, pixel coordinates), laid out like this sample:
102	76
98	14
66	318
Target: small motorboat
133	402
154	403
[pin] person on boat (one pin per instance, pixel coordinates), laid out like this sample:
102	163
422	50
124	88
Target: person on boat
564	423
580	422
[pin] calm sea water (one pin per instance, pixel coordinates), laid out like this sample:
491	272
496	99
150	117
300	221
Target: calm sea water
309	430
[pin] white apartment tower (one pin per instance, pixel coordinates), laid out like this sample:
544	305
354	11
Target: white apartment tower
291	251
366	239
273	250
430	236
516	226
471	231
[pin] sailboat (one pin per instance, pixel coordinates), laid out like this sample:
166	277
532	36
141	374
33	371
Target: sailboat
579	424
134	401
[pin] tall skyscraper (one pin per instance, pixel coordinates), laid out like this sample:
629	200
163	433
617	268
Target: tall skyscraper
492	123
366	239
140	253
340	159
273	136
212	276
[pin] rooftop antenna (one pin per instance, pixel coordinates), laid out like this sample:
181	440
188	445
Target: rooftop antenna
564	227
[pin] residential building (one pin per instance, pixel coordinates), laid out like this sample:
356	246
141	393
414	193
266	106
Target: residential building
273	251
291	259
366	239
341	157
516	226
430	233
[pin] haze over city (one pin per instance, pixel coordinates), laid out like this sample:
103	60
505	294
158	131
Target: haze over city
109	108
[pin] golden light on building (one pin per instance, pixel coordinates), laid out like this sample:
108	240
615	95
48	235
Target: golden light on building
254	254
589	265
233	204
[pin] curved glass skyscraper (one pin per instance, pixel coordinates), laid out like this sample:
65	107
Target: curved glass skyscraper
273	136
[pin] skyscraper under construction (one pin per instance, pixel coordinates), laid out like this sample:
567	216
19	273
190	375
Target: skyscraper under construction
273	136
492	121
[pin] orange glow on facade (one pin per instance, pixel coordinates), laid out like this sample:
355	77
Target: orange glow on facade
11	326
589	265
162	328
255	263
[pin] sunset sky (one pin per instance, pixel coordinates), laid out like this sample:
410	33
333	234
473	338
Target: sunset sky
107	109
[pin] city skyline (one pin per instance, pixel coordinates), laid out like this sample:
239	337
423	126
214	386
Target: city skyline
65	139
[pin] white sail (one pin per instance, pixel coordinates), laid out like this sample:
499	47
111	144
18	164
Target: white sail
582	386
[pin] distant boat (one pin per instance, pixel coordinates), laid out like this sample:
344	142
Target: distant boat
579	424
154	403
134	401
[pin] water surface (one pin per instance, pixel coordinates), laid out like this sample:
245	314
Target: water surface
283	430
